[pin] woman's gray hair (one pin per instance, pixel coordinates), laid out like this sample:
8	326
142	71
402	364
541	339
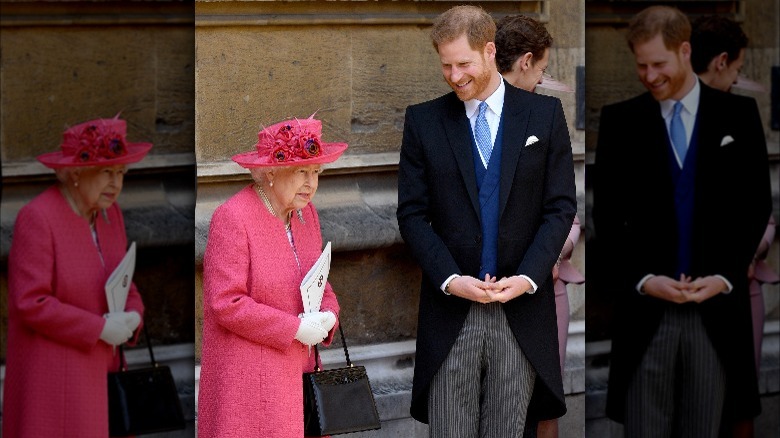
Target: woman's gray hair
64	173
258	174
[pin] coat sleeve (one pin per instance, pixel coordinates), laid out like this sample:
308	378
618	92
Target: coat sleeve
134	301
329	301
609	195
752	194
31	268
414	221
226	269
574	236
559	203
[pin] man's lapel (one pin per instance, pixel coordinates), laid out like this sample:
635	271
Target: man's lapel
458	132
708	140
515	116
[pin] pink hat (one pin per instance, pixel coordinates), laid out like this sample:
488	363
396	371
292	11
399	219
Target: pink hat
99	142
551	84
746	83
291	143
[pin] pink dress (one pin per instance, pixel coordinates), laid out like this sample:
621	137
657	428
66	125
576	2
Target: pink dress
56	365
567	273
251	364
761	272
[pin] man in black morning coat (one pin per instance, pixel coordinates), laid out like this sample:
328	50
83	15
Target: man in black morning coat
446	219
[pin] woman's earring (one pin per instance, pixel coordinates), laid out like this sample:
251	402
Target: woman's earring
75	184
272	183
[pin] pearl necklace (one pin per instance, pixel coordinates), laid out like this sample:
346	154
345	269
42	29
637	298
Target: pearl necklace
74	207
270	207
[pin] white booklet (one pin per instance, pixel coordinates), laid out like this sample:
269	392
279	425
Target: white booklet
118	284
313	284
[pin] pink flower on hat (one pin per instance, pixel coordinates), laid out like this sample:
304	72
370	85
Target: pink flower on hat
309	144
95	140
295	139
290	143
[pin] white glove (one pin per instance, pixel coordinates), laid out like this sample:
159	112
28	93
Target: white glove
115	331
327	319
132	319
310	332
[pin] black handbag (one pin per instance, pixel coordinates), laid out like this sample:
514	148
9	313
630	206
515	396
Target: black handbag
144	400
339	400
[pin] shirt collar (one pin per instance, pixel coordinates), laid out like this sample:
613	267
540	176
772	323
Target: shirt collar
690	102
495	101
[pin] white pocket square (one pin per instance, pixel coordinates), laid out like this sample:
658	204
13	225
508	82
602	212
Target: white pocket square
726	140
531	140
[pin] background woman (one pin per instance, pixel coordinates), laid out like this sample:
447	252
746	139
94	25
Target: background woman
261	243
66	243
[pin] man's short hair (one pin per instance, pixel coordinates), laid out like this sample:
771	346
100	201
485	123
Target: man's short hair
669	22
471	21
713	35
517	35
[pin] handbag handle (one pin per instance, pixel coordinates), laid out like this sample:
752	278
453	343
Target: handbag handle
123	361
343	344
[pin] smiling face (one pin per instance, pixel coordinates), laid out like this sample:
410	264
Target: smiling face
666	73
470	73
294	187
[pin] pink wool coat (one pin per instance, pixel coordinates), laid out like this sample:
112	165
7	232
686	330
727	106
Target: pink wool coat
251	364
56	365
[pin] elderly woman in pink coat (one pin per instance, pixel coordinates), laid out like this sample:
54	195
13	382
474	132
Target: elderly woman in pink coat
66	243
261	244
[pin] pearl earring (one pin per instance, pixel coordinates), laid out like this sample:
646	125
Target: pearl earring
272	183
75	184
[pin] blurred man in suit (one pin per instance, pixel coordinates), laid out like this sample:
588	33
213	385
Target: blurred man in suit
485	202
682	176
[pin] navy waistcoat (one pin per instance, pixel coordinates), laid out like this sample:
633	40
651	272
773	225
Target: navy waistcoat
684	182
488	183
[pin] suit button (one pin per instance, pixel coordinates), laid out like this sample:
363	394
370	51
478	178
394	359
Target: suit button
478	239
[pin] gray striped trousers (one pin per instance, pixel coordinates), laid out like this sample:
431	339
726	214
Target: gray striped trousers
483	387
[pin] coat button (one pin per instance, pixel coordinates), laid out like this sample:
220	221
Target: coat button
478	239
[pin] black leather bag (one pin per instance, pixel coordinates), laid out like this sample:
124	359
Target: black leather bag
144	400
339	400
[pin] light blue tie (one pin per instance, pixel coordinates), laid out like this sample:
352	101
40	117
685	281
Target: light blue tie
482	132
677	130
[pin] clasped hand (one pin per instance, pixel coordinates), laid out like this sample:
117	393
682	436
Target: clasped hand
314	327
684	290
489	290
119	327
